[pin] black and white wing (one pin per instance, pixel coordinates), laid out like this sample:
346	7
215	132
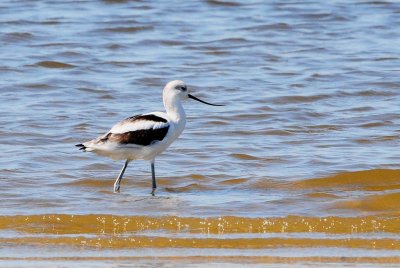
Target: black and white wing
140	129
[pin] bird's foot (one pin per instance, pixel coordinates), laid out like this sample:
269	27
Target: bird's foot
116	187
153	192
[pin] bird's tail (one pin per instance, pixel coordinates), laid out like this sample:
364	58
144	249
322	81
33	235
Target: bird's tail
81	147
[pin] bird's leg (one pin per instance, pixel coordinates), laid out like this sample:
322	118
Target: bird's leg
118	180
153	176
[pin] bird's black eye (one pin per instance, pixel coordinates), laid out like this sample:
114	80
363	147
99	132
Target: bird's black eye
182	88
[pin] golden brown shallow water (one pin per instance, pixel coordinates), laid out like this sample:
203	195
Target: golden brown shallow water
359	230
300	167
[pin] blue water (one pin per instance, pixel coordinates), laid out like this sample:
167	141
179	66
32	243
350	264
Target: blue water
311	89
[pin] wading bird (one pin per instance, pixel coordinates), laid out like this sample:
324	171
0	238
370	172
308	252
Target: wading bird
145	136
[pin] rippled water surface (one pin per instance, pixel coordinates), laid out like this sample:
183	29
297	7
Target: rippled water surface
301	166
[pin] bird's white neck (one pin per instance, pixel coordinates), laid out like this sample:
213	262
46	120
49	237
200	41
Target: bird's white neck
174	109
176	113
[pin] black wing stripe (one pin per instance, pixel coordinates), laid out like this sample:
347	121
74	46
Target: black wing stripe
140	137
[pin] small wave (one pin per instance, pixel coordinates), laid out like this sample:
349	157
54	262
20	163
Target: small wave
54	64
115	46
115	1
377	3
90	183
377	139
266	27
234	181
37	86
368	93
197	176
322	195
386	59
299	99
379	203
377	179
172	43
188	188
217	52
376	124
93	90
223	3
217	122
316	16
244	156
238	40
278	132
132	29
50	22
17	36
268	184
391	85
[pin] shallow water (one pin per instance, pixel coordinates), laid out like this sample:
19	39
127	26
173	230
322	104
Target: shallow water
300	167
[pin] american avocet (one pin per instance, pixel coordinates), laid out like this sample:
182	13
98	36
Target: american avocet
145	136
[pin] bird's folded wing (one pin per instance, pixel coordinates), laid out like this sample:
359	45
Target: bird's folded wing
140	130
139	122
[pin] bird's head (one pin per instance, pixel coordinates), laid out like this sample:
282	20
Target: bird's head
177	89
